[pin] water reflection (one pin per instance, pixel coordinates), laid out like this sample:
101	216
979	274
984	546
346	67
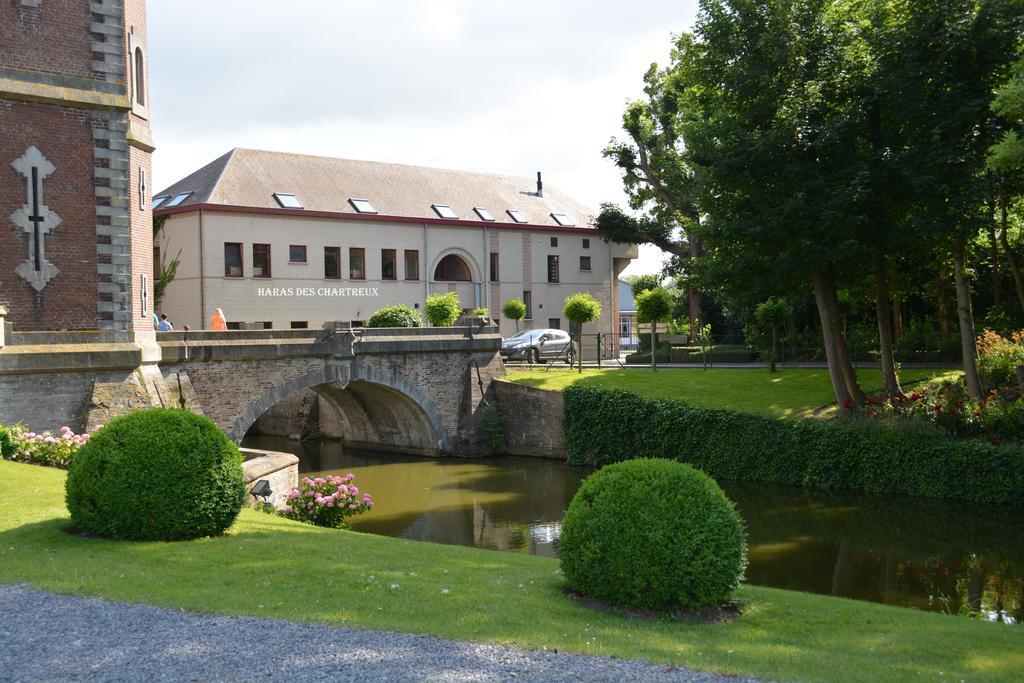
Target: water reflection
936	555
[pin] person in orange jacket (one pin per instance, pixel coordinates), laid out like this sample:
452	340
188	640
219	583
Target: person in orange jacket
217	322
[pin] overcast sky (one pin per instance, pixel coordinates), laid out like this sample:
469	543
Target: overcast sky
502	87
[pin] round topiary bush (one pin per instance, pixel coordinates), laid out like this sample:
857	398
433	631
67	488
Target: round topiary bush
158	474
394	316
653	534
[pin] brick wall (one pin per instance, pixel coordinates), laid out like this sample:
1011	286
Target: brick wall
52	38
532	420
65	137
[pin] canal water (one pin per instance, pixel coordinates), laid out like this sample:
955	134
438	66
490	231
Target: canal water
928	554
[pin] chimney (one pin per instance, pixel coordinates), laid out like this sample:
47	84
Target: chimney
540	185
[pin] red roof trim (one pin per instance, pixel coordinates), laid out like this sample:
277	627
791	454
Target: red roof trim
307	213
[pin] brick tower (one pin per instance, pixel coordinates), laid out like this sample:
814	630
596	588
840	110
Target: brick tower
75	145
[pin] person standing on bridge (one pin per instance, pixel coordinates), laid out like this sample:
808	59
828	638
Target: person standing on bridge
217	322
164	325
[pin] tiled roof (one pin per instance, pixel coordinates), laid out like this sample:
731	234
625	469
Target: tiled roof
249	177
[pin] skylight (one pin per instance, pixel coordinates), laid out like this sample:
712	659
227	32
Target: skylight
484	214
178	199
157	201
517	216
444	211
287	201
562	219
362	205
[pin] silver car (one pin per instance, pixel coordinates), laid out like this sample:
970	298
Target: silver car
539	345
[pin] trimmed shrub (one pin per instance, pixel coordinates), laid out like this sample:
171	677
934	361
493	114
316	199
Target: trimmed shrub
442	310
653	534
157	474
394	316
605	426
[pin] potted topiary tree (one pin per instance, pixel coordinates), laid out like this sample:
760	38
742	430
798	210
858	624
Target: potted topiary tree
654	306
581	308
514	309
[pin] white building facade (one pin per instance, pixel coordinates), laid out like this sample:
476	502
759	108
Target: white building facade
289	241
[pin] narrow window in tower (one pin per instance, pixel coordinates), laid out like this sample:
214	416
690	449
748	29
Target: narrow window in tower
140	77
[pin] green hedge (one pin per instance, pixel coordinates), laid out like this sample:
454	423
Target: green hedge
722	353
604	426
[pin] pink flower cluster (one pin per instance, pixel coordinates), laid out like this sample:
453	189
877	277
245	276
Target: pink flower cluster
47	448
327	501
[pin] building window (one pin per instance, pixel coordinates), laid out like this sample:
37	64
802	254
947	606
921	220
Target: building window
232	259
287	201
144	293
300	324
552	268
357	263
444	211
388	265
261	260
412	264
584	263
157	201
484	214
494	267
528	300
140	77
586	243
142	189
266	325
452	269
157	266
234	325
178	199
562	219
554	241
517	216
362	205
297	253
332	263
555	323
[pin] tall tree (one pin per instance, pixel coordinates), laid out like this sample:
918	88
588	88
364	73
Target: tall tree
960	52
657	180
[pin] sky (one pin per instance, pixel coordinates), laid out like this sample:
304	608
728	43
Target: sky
500	87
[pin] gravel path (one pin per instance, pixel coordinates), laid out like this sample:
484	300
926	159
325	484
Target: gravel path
46	637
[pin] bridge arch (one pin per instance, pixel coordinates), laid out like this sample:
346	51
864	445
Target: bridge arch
376	409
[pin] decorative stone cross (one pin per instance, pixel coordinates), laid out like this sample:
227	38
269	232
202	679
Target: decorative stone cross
35	218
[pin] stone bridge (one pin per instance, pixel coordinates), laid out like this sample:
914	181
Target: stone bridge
416	390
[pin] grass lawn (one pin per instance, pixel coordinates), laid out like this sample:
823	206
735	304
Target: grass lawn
786	393
267	566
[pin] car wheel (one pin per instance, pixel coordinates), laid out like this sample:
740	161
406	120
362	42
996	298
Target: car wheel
535	354
570	358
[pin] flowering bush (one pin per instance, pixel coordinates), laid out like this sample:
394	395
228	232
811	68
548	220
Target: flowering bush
327	501
17	443
998	357
998	417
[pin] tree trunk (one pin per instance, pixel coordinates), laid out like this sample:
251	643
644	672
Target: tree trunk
997	281
1011	257
654	346
968	344
822	282
944	317
775	346
890	382
897	317
853	389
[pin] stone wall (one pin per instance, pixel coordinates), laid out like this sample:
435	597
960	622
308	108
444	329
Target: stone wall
532	420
